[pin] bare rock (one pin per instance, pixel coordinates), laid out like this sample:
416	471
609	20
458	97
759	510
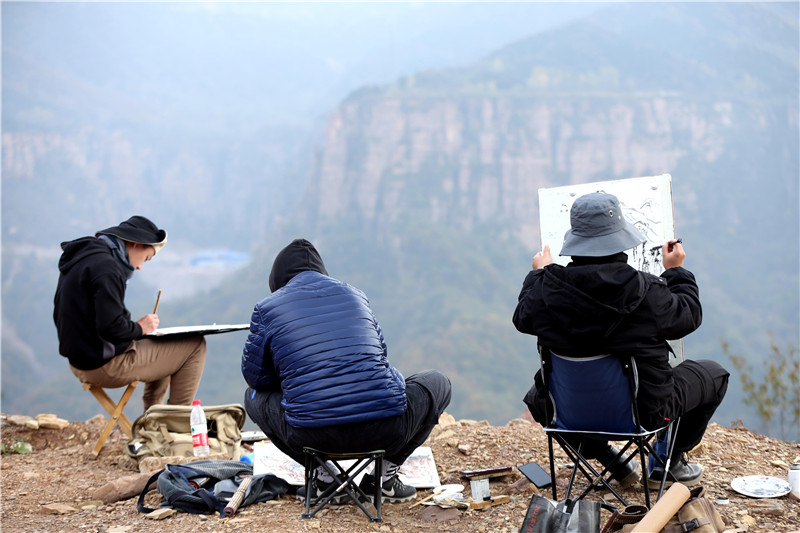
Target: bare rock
122	488
58	508
51	421
22	420
161	514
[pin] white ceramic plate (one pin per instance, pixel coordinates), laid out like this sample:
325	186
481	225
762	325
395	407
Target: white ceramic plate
761	486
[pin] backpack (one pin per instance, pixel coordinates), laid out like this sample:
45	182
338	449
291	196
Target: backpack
205	486
165	430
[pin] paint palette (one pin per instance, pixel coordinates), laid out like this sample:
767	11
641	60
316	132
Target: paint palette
761	486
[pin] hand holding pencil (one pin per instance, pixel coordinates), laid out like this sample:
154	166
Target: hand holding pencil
149	323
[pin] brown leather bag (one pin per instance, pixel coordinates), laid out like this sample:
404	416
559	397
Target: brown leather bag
698	514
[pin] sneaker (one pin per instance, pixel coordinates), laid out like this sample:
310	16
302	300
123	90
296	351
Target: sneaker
623	475
681	471
318	488
394	490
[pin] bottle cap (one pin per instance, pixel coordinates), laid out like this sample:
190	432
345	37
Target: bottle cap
196	402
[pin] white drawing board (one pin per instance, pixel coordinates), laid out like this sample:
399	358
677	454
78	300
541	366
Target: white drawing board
646	203
208	329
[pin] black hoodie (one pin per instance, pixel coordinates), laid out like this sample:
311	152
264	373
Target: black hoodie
591	308
298	256
89	306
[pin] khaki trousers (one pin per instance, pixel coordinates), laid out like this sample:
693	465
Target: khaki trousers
174	364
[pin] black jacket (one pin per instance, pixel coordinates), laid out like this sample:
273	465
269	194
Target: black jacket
89	306
609	307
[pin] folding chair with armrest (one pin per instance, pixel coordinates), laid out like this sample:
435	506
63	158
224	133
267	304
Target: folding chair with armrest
595	397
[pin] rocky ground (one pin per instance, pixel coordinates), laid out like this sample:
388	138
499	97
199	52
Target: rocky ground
53	488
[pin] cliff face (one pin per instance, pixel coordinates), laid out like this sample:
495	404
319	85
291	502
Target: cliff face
425	191
467	160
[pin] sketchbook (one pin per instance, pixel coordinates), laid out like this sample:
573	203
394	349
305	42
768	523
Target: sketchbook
419	470
208	329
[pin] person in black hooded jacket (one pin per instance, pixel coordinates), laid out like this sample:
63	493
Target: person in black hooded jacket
598	304
95	331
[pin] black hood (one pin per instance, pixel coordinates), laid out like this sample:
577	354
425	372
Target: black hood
299	256
75	251
592	299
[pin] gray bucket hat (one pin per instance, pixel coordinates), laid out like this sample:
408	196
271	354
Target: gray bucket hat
598	228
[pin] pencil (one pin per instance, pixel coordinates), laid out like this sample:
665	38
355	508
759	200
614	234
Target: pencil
158	299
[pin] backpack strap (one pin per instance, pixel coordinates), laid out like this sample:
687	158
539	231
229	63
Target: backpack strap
140	503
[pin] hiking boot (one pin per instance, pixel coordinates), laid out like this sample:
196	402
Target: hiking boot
681	470
624	475
394	490
318	488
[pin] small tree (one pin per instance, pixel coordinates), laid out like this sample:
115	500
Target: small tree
776	398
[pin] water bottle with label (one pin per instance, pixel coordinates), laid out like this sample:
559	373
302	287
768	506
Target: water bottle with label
199	430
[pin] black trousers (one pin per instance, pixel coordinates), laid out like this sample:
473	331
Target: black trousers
428	395
699	388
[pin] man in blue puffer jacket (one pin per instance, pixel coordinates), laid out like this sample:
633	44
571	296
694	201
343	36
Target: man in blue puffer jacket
318	375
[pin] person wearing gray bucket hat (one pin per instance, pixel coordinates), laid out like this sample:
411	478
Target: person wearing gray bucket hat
599	304
104	346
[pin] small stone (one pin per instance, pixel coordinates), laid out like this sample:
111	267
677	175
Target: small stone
22	420
466	449
748	520
51	421
161	514
58	508
447	420
119	529
445	435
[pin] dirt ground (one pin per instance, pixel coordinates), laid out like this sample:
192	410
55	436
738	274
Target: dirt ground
60	470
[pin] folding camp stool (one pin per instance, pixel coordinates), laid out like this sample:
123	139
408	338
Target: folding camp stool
114	411
344	479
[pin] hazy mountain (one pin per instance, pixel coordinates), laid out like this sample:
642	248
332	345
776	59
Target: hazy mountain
423	191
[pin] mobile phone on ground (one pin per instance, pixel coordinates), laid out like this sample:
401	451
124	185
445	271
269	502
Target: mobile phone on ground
536	474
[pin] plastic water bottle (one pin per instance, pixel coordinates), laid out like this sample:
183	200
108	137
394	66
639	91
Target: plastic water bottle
794	480
199	430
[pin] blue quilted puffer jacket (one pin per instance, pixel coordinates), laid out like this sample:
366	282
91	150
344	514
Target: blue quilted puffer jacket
317	339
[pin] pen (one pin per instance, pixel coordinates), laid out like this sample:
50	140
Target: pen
670	244
158	299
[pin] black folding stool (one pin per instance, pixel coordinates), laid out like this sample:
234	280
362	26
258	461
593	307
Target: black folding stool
344	479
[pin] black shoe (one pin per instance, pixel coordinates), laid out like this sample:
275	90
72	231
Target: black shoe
393	490
318	488
624	475
681	471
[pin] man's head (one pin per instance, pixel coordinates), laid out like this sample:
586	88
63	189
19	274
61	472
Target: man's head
598	228
298	256
142	239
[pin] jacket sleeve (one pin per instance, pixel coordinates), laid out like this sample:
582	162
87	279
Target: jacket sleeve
112	319
526	304
257	368
677	306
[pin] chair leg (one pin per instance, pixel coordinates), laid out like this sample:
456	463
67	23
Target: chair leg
552	466
377	460
115	413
